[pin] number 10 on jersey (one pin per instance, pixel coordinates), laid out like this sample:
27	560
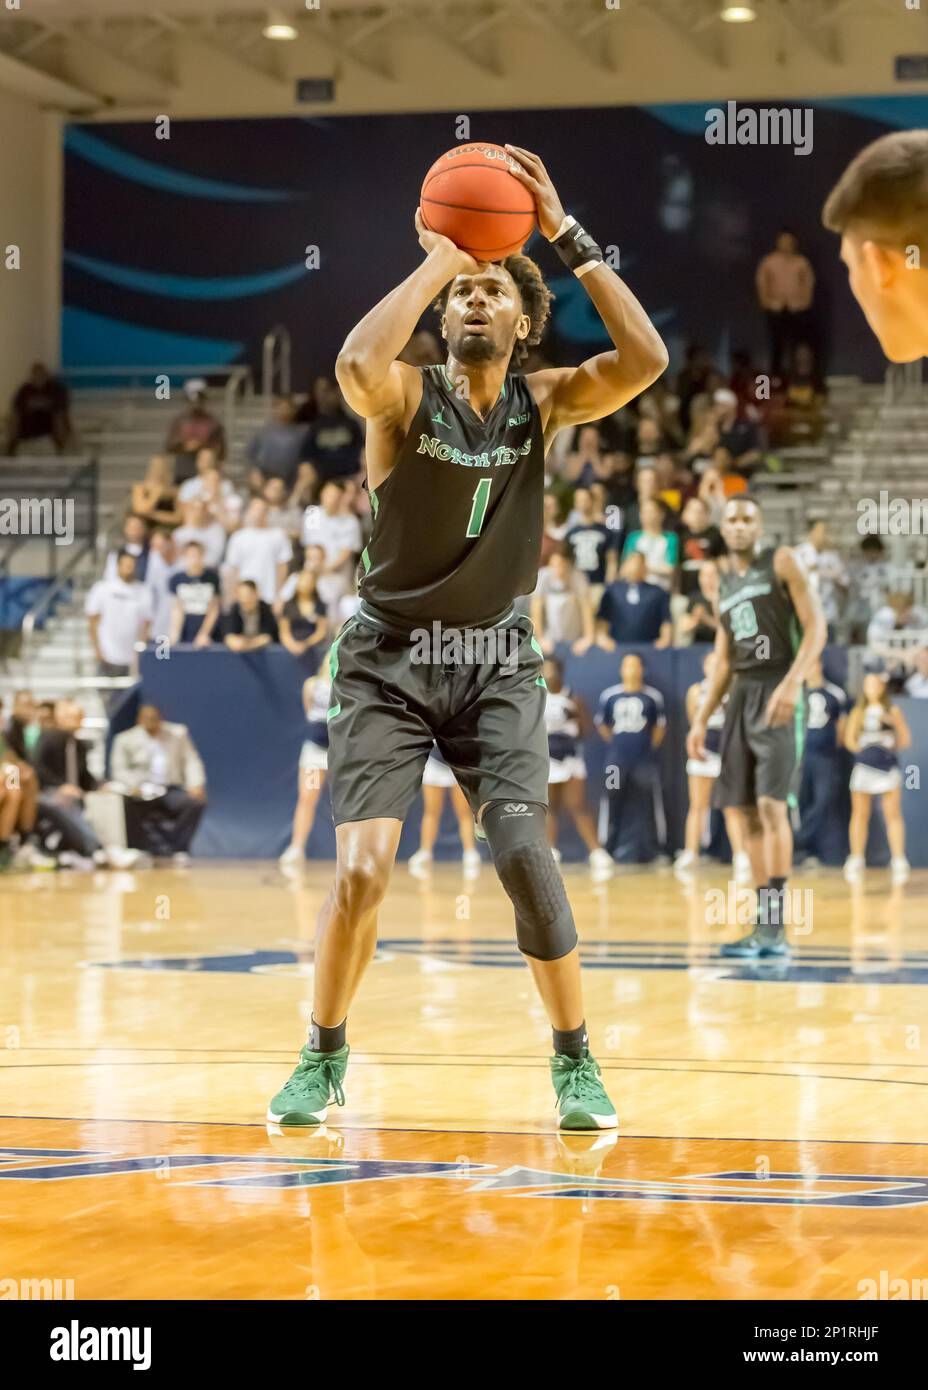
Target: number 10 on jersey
479	510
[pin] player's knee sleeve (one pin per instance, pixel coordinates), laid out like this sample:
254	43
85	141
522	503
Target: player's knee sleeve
523	860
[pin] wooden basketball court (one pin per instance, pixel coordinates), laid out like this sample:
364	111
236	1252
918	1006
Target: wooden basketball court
773	1140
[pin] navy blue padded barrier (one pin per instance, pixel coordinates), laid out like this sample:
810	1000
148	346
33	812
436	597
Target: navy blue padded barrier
245	716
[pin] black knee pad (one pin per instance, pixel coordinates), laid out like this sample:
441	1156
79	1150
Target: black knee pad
515	832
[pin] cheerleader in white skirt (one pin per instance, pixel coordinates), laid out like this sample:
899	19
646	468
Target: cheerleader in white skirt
701	774
317	691
438	780
876	732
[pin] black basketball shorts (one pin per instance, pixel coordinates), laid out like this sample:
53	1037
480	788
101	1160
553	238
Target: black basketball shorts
388	705
757	759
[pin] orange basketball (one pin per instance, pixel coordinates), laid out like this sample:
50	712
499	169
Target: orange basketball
470	196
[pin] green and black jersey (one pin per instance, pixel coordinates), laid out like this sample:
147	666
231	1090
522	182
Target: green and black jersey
758	615
458	522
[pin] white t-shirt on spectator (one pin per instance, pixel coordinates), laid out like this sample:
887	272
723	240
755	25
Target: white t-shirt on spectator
917	686
334	534
122	609
212	538
565	604
828	576
158	577
255	552
192	490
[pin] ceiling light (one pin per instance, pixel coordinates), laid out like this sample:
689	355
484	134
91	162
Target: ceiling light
738	14
279	27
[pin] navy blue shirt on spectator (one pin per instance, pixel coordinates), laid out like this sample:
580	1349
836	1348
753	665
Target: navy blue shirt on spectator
196	593
827	704
590	543
633	715
634	612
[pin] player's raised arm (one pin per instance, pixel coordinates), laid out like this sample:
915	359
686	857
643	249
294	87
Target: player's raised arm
372	380
599	386
782	703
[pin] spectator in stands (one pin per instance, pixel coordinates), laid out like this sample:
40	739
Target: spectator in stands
900	613
120	615
785	284
699	541
277	450
422	350
661	404
693	380
561	609
630	719
671	483
164	562
155	497
39	420
303	621
250	624
136	541
326	524
699	622
586	462
196	591
744	381
23	730
797	410
591	544
660	547
607	511
826	571
649	439
281	511
345	607
713	494
632	610
334	439
554	528
19	790
738	438
199	525
869	573
64	778
917	683
645	491
195	428
702	439
620	483
259	552
158	770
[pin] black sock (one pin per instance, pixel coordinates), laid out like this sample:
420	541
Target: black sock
327	1039
572	1043
773	897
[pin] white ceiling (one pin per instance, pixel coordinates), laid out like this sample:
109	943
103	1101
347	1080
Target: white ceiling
125	58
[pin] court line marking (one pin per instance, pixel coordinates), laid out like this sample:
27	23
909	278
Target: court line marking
435	1057
668	1071
486	1133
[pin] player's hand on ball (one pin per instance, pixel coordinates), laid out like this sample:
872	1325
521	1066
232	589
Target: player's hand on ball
696	741
782	704
530	171
459	262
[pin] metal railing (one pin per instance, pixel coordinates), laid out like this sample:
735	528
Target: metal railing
275	372
236	381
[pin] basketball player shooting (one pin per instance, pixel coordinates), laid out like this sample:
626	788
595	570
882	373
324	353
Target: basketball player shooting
455	468
763	595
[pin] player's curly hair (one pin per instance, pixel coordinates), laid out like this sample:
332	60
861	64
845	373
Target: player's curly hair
536	301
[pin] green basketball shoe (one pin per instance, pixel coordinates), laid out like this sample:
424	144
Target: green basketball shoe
316	1081
581	1096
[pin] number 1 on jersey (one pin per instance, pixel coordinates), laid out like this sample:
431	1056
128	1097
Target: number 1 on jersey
479	510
